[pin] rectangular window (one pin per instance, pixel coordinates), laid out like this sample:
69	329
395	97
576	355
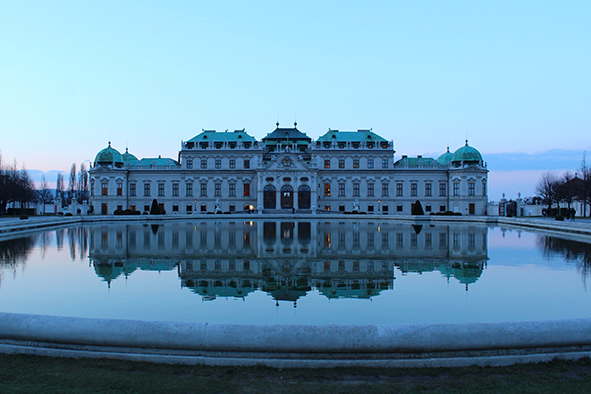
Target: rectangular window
147	191
246	163
428	191
189	208
471	189
413	189
327	189
384	163
442	208
456	189
428	240
385	209
327	207
355	163
341	189
132	189
132	208
203	190
326	163
232	163
341	163
442	190
218	164
384	189
146	208
399	208
175	189
370	190
369	163
189	164
119	188
105	187
218	190
203	164
356	190
161	190
232	190
175	208
399	192
247	190
370	208
189	189
203	208
232	208
427	208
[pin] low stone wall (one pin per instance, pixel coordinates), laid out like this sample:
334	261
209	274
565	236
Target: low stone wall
285	346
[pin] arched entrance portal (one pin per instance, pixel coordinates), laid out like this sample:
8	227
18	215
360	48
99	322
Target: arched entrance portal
286	196
269	197
304	197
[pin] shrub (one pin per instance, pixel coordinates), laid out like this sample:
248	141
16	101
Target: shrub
118	212
24	217
560	218
68	214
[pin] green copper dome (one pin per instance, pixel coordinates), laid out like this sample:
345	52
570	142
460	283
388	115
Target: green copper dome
445	158
109	156
467	154
130	159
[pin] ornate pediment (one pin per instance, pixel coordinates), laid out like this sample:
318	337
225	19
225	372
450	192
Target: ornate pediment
288	162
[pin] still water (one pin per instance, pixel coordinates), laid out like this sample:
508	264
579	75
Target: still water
302	272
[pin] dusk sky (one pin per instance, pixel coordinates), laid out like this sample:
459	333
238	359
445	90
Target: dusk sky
513	77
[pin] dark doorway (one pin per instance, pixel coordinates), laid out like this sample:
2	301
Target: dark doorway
471	208
104	208
304	197
286	196
269	197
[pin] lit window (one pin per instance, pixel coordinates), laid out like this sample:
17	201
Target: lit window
105	188
355	163
326	163
247	190
327	189
119	188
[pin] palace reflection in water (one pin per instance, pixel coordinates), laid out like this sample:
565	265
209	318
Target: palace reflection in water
288	259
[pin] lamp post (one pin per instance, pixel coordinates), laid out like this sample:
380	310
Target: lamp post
379	209
195	206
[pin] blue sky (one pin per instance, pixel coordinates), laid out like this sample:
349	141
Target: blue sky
511	76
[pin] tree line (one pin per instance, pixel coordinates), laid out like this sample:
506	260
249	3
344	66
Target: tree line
16	186
566	189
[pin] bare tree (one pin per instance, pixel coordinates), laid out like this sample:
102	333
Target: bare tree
585	190
83	189
547	188
567	188
59	187
45	196
72	185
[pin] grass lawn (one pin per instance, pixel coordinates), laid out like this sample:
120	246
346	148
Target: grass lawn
33	374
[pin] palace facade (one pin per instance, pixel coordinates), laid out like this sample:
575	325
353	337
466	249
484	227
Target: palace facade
287	171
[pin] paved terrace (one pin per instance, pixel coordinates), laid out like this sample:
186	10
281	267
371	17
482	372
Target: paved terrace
283	346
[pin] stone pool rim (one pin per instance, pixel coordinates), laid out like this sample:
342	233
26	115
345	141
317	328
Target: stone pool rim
302	346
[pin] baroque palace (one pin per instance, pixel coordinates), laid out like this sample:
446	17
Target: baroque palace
342	171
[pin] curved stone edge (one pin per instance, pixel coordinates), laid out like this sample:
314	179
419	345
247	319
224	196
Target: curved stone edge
305	346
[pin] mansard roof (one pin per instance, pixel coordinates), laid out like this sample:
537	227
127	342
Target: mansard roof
357	136
418	161
292	134
232	136
158	162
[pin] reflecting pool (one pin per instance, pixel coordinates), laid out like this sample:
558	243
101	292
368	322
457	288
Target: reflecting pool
296	272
